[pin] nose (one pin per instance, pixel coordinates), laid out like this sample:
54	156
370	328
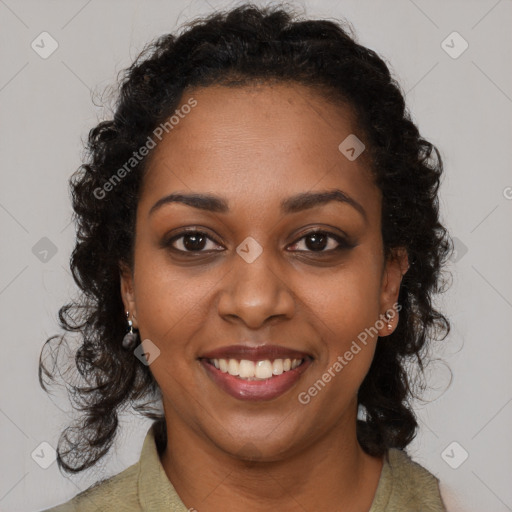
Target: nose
254	293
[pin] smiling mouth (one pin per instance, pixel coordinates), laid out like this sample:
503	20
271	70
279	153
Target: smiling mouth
255	373
247	385
246	369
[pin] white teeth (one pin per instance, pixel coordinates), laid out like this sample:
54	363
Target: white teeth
233	367
263	370
250	370
246	368
277	367
223	365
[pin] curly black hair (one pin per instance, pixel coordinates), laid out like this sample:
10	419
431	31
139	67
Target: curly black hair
247	44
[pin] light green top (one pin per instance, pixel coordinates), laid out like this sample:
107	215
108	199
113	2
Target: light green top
404	486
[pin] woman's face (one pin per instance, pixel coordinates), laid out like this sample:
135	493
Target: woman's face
255	287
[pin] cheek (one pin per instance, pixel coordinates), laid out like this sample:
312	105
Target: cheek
171	302
169	314
348	299
345	309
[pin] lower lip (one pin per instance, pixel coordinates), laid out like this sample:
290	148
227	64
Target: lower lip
265	389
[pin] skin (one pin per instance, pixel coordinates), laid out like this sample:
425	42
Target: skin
255	146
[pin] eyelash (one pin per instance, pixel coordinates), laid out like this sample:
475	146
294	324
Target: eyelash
342	243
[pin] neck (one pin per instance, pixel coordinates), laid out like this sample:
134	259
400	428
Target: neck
332	473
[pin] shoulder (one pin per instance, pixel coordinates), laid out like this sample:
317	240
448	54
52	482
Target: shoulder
406	486
141	486
119	492
403	467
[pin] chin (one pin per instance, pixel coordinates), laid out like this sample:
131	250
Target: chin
260	442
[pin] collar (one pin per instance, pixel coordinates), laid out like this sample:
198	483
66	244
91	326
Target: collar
156	493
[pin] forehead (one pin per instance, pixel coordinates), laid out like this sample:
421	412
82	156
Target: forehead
257	140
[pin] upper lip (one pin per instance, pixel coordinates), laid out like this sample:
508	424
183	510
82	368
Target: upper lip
252	353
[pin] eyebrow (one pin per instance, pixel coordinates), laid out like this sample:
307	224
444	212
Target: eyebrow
293	204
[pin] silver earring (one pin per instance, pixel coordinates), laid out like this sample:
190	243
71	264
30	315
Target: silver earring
130	338
388	317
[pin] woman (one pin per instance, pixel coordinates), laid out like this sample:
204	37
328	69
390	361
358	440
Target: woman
258	247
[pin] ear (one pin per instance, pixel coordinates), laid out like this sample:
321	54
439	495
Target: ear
395	268
128	292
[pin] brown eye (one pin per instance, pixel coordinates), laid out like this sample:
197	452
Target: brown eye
319	241
192	241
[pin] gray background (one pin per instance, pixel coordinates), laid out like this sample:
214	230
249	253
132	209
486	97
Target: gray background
462	105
